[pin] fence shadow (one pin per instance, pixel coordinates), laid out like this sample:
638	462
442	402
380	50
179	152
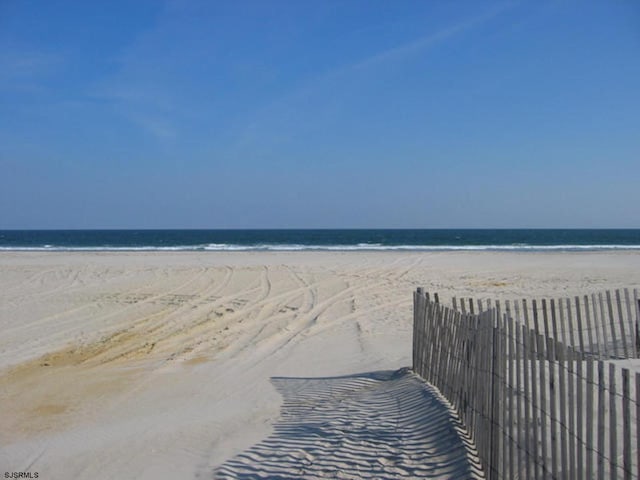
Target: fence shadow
383	425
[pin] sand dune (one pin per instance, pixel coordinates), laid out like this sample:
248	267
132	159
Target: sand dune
157	365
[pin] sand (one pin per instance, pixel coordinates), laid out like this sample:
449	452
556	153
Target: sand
239	365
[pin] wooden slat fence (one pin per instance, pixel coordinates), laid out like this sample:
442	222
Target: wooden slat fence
536	406
600	325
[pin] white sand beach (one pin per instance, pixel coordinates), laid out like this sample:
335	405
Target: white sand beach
226	364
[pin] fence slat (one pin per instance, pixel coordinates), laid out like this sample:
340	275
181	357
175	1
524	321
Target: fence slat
495	400
572	415
428	342
456	359
626	425
564	448
598	312
536	321
429	339
627	301
444	356
535	409
468	367
623	335
611	323
553	424
488	389
543	403
430	353
481	386
636	303
477	376
487	353
593	349
638	425
520	397
589	419
527	401
545	317
511	393
423	335
525	313
572	330
579	431
601	424
562	322
505	395
580	329
416	337
554	320
613	424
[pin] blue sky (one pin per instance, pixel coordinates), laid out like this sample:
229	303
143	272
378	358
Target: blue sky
302	114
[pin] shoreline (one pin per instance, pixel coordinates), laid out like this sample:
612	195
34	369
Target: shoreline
568	248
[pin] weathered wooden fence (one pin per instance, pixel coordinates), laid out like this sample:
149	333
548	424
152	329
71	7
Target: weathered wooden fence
539	399
600	325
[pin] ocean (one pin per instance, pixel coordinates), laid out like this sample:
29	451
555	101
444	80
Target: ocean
333	240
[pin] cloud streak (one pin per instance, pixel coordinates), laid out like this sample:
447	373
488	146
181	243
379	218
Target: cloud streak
253	134
403	51
423	43
24	70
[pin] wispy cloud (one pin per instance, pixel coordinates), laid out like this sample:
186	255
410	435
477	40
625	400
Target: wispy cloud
155	125
150	89
428	41
139	87
283	106
145	106
406	50
24	70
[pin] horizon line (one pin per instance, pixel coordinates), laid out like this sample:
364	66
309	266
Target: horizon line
160	229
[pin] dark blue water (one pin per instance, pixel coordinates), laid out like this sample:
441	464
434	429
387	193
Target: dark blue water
291	240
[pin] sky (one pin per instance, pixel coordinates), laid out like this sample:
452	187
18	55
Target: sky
319	114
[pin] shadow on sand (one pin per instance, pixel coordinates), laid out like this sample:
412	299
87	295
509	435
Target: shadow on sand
383	425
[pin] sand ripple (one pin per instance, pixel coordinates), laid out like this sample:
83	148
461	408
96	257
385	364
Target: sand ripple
383	425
